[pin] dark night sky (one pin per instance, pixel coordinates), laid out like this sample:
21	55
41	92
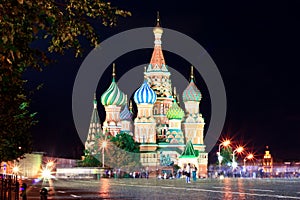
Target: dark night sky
255	46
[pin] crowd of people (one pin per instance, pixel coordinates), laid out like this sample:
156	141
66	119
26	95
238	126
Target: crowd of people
189	172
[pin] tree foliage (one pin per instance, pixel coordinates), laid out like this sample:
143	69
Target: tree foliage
123	153
89	160
126	142
226	153
61	23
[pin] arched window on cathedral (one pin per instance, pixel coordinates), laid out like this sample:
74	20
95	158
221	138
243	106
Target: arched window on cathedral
155	111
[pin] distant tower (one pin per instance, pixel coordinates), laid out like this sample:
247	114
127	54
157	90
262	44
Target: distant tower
112	99
175	115
267	161
94	130
193	124
158	78
144	123
126	119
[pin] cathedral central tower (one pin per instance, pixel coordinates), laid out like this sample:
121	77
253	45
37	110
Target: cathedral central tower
158	77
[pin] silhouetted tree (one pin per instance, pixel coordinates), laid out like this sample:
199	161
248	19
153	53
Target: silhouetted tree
59	23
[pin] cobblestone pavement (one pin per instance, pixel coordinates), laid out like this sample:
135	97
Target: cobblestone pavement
226	189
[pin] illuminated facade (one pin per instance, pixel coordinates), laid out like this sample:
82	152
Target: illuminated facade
267	161
161	126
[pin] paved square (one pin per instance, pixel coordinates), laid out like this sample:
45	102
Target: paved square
228	188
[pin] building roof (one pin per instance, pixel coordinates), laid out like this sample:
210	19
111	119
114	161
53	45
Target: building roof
113	95
191	93
175	112
126	114
157	62
189	151
145	94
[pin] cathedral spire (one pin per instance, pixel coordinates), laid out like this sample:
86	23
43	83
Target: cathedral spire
145	73
114	72
130	106
95	101
175	95
192	73
94	129
158	20
157	60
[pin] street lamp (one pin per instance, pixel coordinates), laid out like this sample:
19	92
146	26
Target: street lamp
104	144
248	157
238	150
15	169
224	144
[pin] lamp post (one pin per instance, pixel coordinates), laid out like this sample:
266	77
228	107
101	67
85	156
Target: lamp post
224	144
238	150
248	157
104	144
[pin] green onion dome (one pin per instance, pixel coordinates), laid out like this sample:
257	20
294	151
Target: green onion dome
175	112
191	93
113	95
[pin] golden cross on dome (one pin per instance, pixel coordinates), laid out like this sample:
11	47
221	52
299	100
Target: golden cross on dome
157	19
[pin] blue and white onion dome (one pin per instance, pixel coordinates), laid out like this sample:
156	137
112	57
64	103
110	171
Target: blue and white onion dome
126	114
144	95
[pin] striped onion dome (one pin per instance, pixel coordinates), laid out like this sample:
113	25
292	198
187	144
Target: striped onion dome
175	112
191	93
113	95
145	94
126	114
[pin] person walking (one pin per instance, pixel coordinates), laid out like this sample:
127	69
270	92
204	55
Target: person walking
188	173
147	172
179	172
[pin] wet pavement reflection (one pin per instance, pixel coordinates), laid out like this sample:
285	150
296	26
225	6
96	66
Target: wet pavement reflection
227	189
104	189
210	189
241	190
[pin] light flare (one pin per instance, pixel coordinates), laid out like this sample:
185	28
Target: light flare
47	171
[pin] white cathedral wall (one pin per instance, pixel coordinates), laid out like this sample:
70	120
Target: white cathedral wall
191	107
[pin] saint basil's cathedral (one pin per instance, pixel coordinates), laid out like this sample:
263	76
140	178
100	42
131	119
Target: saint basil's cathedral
167	134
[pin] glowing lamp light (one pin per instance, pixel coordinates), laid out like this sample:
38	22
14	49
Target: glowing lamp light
15	169
104	144
250	156
46	173
226	143
50	164
240	149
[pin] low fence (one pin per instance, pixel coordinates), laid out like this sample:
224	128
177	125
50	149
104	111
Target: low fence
9	188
